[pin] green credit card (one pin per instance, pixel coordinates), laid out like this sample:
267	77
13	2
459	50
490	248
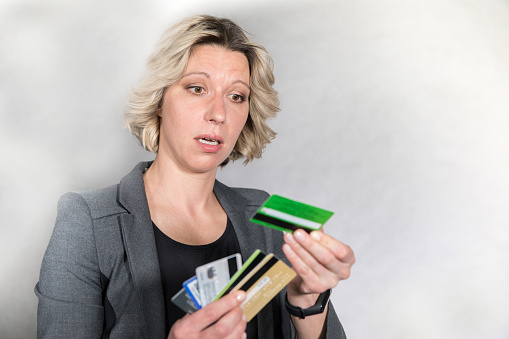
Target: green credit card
289	215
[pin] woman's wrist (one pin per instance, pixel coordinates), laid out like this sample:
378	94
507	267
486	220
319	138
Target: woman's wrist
302	300
318	308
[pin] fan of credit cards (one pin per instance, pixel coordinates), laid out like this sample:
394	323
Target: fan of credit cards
262	277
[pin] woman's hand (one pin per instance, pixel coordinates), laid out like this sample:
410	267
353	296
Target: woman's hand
221	319
320	262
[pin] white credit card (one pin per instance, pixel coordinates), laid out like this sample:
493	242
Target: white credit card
214	276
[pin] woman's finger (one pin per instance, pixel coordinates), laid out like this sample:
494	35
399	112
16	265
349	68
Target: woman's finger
300	257
211	313
231	325
340	250
310	280
316	256
325	256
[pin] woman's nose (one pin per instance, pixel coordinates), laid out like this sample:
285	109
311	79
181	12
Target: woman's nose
216	111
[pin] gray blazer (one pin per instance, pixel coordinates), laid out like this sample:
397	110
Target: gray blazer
100	274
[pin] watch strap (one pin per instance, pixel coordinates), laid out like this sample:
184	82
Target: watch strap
317	308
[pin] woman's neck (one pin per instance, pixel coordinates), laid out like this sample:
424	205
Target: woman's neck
172	186
183	205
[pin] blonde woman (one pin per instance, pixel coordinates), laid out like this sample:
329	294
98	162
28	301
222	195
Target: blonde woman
117	255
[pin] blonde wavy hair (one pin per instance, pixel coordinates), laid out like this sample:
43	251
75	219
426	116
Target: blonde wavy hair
167	64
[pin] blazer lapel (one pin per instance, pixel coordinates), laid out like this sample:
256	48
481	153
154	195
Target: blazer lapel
141	251
237	208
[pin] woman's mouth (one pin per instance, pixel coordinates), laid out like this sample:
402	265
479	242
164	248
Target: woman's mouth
209	141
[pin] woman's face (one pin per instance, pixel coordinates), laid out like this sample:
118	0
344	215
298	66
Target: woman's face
204	112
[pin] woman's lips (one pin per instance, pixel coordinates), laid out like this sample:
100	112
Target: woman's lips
210	143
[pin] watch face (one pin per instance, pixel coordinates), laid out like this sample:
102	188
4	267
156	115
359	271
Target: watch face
320	305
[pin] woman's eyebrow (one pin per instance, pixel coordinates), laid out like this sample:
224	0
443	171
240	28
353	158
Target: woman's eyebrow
243	83
196	73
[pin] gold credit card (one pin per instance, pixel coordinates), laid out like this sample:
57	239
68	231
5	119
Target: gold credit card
261	268
266	288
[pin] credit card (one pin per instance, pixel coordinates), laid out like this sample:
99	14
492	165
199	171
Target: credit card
266	287
289	215
191	287
184	301
214	276
249	265
246	283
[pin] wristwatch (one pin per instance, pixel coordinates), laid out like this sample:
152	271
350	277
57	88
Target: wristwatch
317	308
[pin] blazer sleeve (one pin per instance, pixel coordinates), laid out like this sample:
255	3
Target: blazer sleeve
69	287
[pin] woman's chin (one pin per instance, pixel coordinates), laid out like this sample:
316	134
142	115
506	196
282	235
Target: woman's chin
206	164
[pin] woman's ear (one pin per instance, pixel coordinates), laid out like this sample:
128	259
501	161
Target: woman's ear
160	112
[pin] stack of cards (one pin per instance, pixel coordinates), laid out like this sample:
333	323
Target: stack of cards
261	277
289	215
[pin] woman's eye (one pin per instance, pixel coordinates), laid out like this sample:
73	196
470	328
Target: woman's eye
196	89
237	98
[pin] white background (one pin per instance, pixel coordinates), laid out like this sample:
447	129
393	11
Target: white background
395	115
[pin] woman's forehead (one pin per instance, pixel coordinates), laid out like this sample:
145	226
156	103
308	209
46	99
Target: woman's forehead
213	60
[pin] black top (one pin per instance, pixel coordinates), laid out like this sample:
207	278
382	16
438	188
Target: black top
178	262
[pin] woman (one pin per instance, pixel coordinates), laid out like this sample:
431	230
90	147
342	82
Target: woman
118	255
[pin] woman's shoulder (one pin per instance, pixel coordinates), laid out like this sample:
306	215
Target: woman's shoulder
255	195
111	200
99	202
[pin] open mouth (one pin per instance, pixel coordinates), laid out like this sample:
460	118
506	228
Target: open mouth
208	141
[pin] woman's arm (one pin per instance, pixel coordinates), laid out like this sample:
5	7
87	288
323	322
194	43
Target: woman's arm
320	262
69	287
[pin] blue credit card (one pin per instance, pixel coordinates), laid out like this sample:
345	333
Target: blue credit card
191	287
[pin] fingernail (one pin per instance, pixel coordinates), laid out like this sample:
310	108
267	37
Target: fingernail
241	296
244	318
289	238
299	235
316	235
287	247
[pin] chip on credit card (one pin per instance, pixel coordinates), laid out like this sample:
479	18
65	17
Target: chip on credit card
289	215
